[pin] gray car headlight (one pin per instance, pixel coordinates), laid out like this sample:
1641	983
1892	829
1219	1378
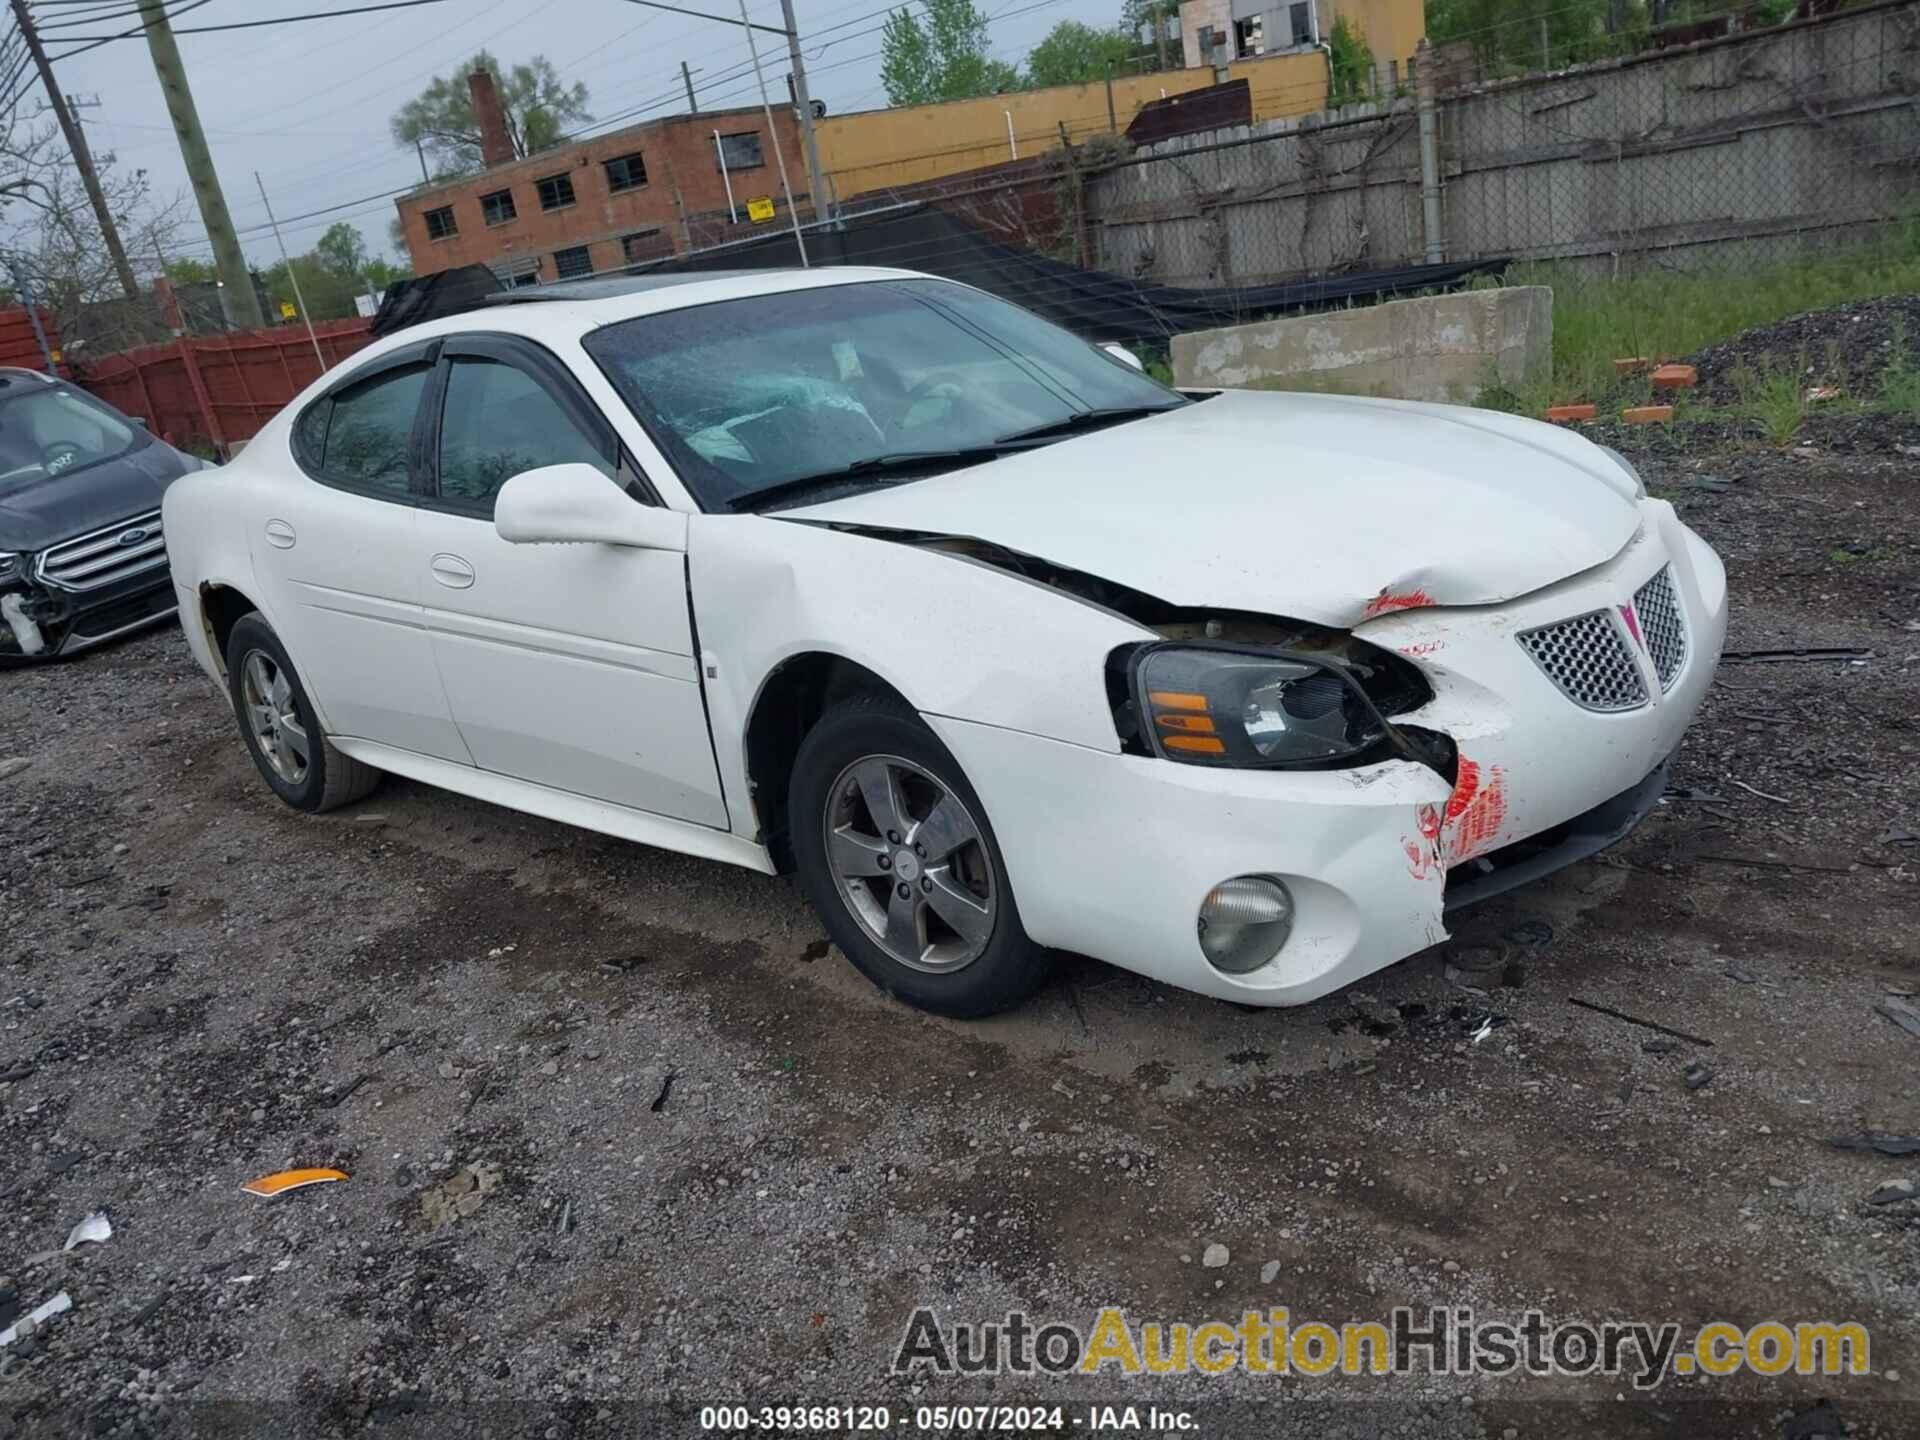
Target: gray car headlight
1639	485
9	565
1206	705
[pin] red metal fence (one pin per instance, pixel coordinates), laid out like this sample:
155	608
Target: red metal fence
18	344
214	391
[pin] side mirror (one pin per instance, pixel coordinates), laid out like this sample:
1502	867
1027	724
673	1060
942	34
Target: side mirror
1123	355
576	505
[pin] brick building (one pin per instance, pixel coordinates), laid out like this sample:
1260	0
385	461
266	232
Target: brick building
596	204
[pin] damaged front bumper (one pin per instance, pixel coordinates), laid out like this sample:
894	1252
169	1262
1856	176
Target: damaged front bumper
1112	855
41	622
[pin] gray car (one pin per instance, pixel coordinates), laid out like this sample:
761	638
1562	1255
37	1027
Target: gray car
82	557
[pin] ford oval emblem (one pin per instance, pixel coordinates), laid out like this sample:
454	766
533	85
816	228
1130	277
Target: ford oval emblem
133	536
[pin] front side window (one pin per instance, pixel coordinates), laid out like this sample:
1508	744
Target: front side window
556	192
741	152
441	224
497	208
50	430
853	385
364	444
626	172
499	421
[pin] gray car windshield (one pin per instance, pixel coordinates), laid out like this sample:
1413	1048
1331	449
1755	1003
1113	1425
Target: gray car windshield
48	430
791	397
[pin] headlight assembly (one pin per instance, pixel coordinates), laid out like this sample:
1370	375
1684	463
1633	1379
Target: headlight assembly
1639	485
1213	705
9	565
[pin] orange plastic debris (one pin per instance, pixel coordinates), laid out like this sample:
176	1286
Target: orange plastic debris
1646	414
271	1185
1675	377
1572	412
1631	365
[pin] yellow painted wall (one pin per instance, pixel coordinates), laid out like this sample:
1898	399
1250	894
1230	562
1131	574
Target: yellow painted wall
871	149
1294	83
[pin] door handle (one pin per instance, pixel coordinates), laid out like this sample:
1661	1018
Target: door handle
280	534
452	572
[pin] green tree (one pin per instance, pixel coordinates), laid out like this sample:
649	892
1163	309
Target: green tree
381	272
538	109
1506	34
1350	63
341	250
1077	54
946	56
192	272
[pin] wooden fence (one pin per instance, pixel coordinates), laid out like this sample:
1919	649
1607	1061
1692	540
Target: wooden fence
215	391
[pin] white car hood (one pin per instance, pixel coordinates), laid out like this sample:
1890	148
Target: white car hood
1329	509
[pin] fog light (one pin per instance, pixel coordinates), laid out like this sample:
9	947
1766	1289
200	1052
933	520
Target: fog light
1244	922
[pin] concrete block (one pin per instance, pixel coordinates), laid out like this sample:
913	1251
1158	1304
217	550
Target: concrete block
1564	414
1440	347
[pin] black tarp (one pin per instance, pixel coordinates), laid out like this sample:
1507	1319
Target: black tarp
428	297
1091	303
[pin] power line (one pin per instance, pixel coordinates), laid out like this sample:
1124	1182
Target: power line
136	30
257	24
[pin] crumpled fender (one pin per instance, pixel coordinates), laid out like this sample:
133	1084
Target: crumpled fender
765	590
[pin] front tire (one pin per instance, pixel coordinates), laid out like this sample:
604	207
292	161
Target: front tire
895	852
281	731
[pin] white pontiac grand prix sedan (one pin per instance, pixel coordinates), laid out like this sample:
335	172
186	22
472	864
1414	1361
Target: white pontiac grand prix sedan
998	643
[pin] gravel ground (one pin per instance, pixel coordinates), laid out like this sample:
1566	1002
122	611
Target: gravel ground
624	1134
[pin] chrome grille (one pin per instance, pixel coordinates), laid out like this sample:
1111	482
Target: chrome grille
1588	658
1664	626
105	556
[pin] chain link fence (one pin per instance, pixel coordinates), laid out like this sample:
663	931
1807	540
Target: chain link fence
1757	146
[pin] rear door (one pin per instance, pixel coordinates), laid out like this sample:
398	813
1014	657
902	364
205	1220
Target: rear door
570	666
338	548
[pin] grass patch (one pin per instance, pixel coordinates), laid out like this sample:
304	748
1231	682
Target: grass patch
1655	313
1773	397
1899	385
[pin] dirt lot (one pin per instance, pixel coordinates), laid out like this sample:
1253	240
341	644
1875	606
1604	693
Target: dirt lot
198	985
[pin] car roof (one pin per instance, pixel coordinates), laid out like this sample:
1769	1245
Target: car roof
573	308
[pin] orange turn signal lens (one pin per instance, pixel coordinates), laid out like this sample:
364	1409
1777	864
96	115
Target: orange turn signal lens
1176	700
1195	744
1198	724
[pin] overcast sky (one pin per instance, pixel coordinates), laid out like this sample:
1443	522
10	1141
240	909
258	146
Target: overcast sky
307	105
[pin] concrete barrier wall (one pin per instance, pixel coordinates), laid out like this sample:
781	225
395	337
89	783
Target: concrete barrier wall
1442	347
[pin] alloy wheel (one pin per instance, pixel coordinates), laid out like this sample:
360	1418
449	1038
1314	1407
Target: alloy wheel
909	860
267	695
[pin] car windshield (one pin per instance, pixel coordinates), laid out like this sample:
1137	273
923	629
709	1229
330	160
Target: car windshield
50	430
755	399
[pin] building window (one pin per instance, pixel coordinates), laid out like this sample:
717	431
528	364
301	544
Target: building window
440	223
555	191
645	245
497	208
626	172
1248	36
1300	21
573	264
741	152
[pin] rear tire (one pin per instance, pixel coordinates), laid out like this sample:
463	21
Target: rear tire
895	852
280	728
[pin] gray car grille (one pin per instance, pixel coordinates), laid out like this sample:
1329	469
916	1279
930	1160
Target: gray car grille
1664	626
1589	659
106	556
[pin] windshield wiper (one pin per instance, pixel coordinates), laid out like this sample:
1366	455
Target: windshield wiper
869	470
1080	420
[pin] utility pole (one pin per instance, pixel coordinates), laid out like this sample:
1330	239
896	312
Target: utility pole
693	105
773	131
421	151
82	156
803	101
287	261
21	284
1160	31
227	258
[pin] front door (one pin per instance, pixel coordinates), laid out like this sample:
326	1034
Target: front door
337	548
568	665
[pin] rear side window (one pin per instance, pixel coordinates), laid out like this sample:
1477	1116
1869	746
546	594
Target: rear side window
363	443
